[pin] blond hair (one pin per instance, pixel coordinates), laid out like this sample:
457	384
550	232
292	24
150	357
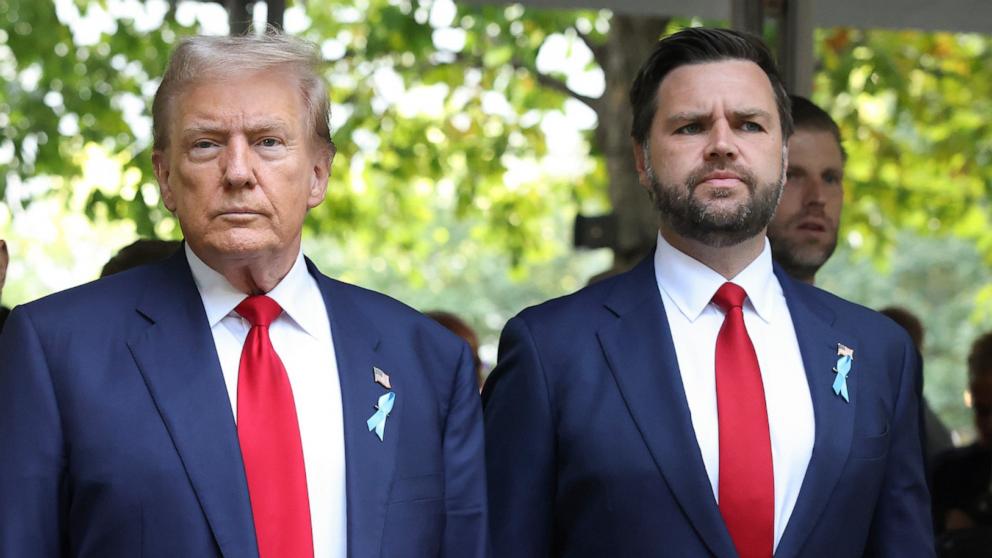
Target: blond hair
201	58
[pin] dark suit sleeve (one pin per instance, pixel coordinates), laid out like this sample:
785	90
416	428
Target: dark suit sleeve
466	528
32	464
520	448
902	525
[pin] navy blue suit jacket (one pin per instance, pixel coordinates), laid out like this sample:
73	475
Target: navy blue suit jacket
117	437
591	452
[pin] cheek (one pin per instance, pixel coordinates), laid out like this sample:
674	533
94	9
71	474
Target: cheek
835	203
791	200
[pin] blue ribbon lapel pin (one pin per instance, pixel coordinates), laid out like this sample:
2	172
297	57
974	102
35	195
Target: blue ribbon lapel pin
845	358
384	406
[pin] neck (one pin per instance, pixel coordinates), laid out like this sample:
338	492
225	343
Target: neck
728	261
254	274
254	280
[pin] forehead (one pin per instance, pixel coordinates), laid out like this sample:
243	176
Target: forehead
240	99
723	85
814	147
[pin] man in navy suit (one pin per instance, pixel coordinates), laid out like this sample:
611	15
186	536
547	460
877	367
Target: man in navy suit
704	403
233	401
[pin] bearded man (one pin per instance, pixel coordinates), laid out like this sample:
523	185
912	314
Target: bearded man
705	403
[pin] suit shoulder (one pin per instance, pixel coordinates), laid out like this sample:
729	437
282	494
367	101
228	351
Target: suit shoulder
391	315
583	310
117	290
855	315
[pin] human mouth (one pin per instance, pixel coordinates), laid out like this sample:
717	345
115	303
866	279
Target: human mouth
724	179
238	214
813	225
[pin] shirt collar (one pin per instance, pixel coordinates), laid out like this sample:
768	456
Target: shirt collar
297	293
690	284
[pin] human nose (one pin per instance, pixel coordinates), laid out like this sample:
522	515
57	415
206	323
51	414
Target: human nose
238	170
815	193
721	142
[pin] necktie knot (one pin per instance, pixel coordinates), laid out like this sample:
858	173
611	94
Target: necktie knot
728	296
259	310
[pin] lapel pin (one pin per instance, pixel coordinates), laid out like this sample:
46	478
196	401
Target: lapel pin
845	359
377	422
381	377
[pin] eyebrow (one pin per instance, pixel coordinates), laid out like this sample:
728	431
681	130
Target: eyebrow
743	114
253	128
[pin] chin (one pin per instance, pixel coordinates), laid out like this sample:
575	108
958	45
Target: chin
242	244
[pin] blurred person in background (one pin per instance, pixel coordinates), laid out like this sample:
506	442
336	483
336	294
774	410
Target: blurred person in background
140	252
937	437
461	328
4	260
962	487
803	231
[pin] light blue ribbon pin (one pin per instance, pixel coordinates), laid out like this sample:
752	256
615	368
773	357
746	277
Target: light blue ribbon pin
377	421
840	381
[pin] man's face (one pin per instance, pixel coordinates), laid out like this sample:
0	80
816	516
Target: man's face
241	167
803	232
714	159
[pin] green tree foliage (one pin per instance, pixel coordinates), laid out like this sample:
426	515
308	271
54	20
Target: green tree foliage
914	108
60	96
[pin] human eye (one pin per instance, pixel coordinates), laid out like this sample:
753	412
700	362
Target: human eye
832	178
203	144
751	126
269	142
691	128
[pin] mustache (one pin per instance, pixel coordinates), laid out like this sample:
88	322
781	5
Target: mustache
698	175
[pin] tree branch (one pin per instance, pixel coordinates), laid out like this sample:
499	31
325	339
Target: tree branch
598	51
556	84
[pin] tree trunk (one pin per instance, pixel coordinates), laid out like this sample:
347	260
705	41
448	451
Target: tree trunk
630	40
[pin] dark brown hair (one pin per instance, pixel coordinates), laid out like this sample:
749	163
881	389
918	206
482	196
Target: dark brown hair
695	46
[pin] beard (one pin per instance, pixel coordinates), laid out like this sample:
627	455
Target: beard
691	218
800	259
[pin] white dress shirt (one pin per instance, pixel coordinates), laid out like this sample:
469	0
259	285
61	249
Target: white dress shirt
301	336
687	287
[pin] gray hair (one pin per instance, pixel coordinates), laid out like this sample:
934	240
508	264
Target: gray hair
204	57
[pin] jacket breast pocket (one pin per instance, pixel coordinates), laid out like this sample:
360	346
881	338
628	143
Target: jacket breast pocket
417	488
870	447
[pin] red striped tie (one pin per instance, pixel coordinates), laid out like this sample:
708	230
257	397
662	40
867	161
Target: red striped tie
747	483
270	441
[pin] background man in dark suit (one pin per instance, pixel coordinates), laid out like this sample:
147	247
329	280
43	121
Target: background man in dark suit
704	403
232	400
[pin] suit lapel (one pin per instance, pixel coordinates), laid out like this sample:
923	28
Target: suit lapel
368	461
638	347
178	360
833	417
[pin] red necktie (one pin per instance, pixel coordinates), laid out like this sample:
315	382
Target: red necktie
270	441
747	484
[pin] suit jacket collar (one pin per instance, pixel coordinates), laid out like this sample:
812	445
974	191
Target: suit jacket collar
638	347
177	358
819	337
369	461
